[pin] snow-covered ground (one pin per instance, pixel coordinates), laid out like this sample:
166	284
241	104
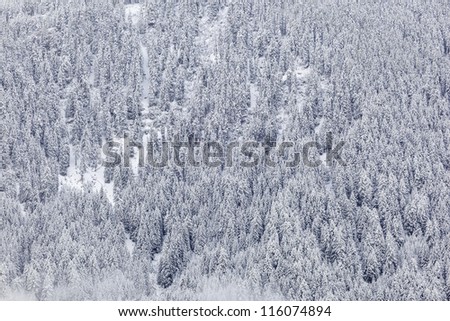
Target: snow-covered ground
254	94
302	72
146	80
129	244
133	12
93	178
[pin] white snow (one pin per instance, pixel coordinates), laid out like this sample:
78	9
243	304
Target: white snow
93	178
154	266
134	161
129	244
146	80
323	158
302	72
133	12
18	295
22	211
254	94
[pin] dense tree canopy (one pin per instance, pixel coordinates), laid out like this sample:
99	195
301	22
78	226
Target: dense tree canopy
376	74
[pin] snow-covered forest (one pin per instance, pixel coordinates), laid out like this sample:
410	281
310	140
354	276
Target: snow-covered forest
77	74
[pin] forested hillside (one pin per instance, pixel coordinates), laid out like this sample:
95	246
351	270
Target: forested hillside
75	75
